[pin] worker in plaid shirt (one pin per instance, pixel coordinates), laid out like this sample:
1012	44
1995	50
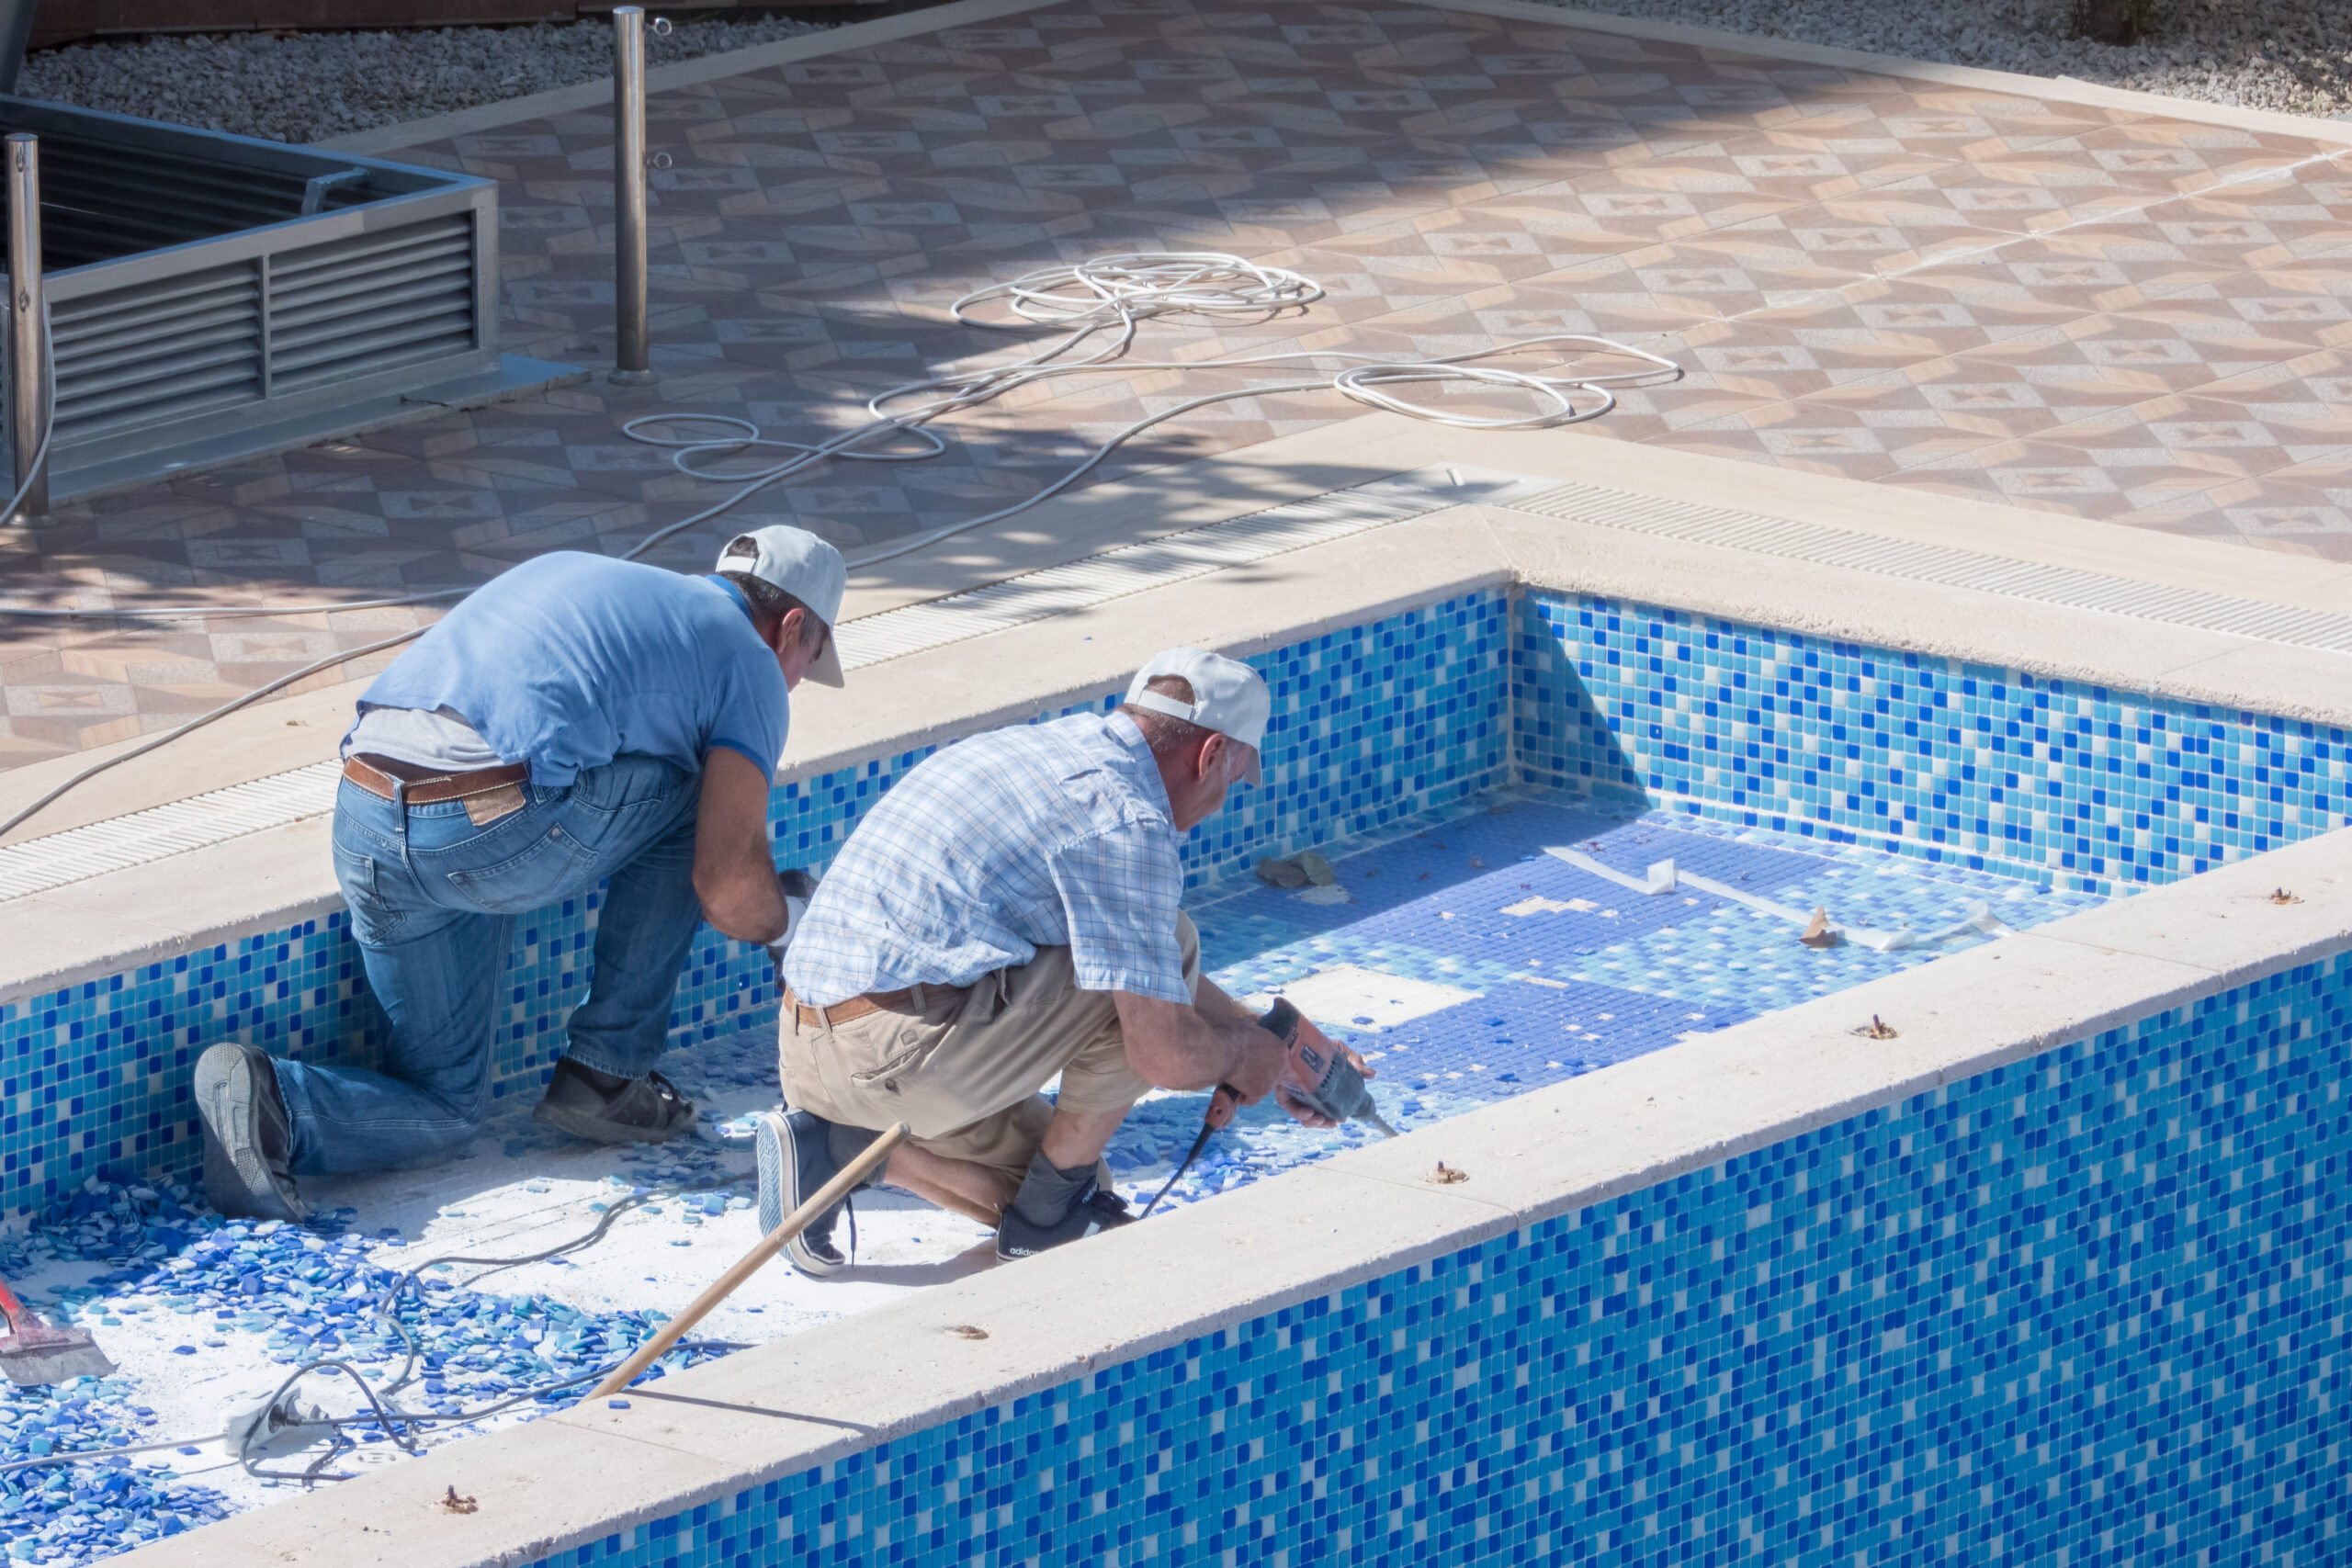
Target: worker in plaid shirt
1008	913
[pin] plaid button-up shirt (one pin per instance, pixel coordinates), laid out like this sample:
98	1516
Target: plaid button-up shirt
1036	836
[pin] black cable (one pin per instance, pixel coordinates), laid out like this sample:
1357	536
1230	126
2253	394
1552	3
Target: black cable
1186	1164
340	1444
412	1279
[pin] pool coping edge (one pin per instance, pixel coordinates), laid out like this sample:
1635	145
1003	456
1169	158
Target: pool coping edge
99	926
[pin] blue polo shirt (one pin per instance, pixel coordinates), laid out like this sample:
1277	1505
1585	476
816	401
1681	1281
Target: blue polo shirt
570	659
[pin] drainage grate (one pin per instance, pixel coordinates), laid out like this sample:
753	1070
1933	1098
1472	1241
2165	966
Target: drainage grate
1941	564
195	823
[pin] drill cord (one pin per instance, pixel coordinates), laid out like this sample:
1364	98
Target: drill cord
1199	1143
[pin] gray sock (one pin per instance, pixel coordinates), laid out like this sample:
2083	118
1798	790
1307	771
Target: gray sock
1049	1190
845	1144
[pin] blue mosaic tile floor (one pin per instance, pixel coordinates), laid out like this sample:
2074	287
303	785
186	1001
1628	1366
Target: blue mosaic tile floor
1468	966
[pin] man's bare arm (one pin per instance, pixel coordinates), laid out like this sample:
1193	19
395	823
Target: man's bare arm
733	876
1176	1047
1214	1003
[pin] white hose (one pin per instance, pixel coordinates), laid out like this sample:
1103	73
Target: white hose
1106	298
1109	297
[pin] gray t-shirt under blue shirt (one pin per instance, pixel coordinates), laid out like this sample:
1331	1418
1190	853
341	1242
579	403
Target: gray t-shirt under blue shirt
571	660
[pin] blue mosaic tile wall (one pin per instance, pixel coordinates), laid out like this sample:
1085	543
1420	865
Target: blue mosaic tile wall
1370	725
2087	1308
1991	768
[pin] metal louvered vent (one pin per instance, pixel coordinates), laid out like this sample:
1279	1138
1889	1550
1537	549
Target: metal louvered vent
157	351
111	200
212	296
371	302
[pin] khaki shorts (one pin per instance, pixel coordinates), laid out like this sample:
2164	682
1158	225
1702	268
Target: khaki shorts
962	1071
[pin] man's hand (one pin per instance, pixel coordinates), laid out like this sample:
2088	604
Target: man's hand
733	876
1219	1044
797	888
1296	1075
1171	1046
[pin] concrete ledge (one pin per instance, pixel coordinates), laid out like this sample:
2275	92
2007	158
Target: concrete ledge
306	725
1847	605
2058	89
837	1390
107	923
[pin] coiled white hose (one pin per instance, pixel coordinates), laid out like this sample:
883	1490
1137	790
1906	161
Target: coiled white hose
1103	303
1106	300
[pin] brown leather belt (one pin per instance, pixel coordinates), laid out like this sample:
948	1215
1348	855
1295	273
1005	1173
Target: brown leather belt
912	1000
432	788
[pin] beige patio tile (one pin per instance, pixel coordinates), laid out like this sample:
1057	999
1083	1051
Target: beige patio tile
2092	311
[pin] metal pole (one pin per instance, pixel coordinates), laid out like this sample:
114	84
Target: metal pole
632	346
29	369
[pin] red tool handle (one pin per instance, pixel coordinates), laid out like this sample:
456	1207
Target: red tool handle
12	1309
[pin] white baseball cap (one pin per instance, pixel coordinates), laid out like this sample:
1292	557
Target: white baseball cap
805	567
1227	696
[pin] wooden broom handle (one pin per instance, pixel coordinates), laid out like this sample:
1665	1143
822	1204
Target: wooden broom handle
768	1246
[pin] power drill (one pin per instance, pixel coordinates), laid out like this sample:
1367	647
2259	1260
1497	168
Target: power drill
1336	1089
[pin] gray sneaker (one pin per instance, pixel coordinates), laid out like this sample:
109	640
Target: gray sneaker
248	1136
1097	1211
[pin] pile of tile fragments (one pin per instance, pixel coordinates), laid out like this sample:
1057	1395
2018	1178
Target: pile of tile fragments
182	1272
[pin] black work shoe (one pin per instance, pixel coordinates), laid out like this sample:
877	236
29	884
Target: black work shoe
1098	1211
636	1111
795	1157
248	1136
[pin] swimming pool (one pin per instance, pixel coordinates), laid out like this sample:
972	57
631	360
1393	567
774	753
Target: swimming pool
1727	1280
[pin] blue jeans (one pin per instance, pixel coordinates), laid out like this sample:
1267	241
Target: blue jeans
432	904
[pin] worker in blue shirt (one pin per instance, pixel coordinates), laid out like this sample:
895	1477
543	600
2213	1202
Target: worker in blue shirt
575	721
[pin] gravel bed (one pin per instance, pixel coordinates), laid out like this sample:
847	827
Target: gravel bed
309	86
2289	55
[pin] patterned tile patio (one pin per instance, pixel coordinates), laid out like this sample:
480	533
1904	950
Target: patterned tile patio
2104	313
